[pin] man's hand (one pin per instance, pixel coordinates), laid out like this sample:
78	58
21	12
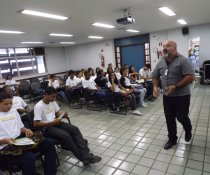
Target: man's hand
66	115
28	133
155	92
170	90
56	121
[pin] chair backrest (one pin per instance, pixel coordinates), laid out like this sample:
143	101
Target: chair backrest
25	86
35	85
34	80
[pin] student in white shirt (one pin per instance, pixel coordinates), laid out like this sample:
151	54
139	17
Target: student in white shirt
93	75
46	115
146	75
145	72
117	73
12	83
57	84
20	105
11	128
73	86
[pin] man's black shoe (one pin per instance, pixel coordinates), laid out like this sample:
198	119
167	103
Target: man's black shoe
188	136
91	158
169	144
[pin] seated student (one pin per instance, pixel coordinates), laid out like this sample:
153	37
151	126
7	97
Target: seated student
93	75
145	74
11	128
12	83
19	104
117	73
73	82
109	71
97	69
125	82
73	85
119	91
57	84
100	80
46	115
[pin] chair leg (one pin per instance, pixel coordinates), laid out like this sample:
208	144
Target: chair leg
58	161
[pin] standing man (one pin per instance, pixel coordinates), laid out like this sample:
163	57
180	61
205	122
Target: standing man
176	73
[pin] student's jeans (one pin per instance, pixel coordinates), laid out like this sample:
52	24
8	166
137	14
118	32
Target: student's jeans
70	137
143	92
176	107
27	160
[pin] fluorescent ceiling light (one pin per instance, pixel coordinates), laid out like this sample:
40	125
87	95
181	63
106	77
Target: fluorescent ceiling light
103	25
60	34
181	21
95	37
41	14
131	30
67	42
11	32
167	11
31	42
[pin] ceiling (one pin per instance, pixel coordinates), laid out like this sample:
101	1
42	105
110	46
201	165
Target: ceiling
85	12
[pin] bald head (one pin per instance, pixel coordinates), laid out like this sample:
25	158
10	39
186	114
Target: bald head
170	47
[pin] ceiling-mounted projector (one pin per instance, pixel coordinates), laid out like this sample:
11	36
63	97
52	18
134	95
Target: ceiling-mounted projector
127	19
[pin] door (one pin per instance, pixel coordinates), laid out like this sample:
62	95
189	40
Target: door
133	55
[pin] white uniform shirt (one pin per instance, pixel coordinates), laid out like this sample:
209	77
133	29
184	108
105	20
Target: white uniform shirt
118	75
74	82
89	84
18	103
116	88
56	84
10	82
45	112
143	73
10	125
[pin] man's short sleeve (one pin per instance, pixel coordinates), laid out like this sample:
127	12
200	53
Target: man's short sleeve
187	68
23	103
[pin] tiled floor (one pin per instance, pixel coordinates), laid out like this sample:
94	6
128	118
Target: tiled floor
133	145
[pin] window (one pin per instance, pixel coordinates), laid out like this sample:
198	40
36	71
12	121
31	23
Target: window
147	53
21	62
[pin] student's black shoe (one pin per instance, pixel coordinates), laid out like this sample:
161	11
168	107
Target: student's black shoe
91	158
188	136
169	144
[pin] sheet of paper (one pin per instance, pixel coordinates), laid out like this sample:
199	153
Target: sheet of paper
23	141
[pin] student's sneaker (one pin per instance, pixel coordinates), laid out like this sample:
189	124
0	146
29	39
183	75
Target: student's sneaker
144	105
137	112
116	109
91	158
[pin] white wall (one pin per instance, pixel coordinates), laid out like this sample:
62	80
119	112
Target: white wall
87	55
202	31
55	60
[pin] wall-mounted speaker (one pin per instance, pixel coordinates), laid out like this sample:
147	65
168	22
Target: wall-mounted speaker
185	30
